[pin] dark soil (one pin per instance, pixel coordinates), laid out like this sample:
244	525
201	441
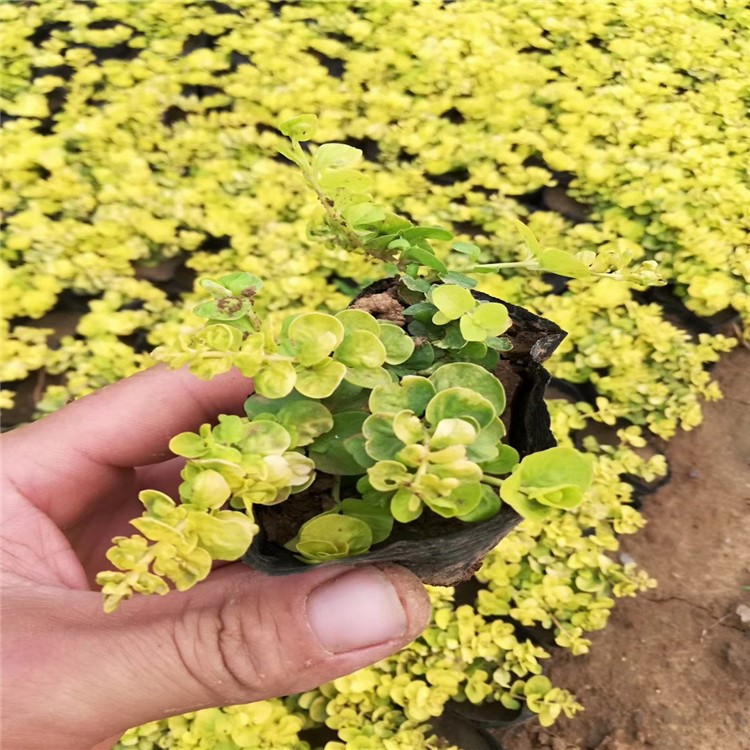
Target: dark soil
672	669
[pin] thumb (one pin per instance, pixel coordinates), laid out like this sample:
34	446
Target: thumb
239	637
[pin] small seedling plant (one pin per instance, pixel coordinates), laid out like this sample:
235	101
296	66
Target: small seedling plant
385	415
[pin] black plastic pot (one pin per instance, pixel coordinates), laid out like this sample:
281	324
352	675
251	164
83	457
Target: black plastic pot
677	312
454	730
445	551
489	715
448	727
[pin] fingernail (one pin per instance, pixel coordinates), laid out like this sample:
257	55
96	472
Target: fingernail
356	610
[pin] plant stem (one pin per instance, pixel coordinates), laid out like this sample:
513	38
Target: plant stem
253	319
494	481
336	490
333	214
515	264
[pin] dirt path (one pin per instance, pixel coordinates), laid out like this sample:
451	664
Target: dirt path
672	670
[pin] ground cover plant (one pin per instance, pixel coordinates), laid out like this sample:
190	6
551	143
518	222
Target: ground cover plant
372	421
136	159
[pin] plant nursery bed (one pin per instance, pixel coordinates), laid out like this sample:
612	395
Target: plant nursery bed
672	669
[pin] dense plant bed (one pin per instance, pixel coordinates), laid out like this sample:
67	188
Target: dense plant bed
133	160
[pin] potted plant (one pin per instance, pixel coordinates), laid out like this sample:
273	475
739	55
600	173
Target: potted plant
409	427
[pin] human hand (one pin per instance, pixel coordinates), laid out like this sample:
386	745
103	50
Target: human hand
74	677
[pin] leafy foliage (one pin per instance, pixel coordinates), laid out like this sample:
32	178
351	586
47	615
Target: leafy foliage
313	354
238	462
418	442
555	478
108	179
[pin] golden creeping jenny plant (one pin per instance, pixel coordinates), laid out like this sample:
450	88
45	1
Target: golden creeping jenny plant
399	419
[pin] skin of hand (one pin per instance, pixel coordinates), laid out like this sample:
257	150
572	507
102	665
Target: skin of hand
74	678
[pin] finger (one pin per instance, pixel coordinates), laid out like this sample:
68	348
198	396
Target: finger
71	460
164	477
237	638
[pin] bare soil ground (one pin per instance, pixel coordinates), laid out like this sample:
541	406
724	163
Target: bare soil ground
672	669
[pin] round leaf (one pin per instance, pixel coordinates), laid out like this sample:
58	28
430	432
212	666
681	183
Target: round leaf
487	321
376	514
335	156
470	331
266	439
488	507
317	551
275	379
221	337
347	397
555	478
226	535
209	490
355	445
537	685
329	451
507	458
256	404
231	429
314	336
408	428
368	377
350	535
487	443
406	506
452	301
230	470
361	349
493	317
358	320
300	128
382	443
399	346
471	376
321	380
462	403
188	444
423	357
464	499
309	419
557	467
453	432
412	392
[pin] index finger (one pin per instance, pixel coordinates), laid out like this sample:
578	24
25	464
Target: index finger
74	458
